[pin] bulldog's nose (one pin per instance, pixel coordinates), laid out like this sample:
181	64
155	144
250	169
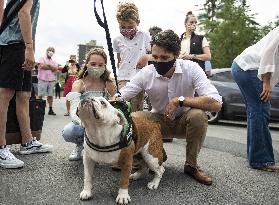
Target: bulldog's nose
83	101
86	100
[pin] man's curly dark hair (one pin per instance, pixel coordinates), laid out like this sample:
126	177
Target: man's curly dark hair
169	40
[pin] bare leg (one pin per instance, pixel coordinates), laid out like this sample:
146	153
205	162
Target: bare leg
22	113
68	105
6	95
50	100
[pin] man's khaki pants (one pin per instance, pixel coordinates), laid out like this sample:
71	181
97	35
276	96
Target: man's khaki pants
137	101
192	126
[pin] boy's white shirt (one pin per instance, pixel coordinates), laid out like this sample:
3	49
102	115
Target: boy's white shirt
130	52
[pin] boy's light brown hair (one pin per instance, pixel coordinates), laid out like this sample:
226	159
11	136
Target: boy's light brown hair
127	11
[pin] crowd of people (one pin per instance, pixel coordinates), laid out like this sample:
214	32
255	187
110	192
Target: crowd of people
172	70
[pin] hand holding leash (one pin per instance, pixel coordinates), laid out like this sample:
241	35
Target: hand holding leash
116	97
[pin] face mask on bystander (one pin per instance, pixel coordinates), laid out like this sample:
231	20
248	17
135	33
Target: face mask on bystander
128	33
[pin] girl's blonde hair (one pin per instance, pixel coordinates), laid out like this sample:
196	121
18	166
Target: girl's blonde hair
127	11
95	51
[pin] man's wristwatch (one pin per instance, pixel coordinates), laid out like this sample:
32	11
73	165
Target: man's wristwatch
181	101
194	56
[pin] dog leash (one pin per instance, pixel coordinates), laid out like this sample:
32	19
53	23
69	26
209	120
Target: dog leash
104	25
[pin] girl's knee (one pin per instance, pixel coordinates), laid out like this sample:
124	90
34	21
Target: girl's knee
66	135
68	132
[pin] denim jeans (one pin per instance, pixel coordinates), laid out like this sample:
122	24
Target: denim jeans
259	142
73	133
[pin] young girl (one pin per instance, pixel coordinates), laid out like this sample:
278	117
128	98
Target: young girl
94	80
130	46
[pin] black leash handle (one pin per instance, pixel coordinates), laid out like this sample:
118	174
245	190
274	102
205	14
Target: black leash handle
104	24
8	18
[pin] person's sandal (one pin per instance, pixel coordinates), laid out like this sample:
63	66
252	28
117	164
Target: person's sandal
67	114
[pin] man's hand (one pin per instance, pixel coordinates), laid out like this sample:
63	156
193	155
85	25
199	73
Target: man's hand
170	108
116	97
53	68
29	61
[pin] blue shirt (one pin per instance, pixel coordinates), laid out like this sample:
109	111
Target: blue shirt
12	34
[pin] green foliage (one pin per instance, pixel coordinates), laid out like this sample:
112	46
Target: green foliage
230	30
270	25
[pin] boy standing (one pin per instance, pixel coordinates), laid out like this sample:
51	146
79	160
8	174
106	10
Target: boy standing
130	46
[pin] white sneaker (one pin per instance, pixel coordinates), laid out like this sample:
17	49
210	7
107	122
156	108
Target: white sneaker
8	160
35	147
76	153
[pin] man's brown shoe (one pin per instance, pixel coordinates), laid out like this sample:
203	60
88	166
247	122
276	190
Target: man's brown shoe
198	174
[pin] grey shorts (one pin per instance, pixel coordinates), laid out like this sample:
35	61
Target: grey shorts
45	88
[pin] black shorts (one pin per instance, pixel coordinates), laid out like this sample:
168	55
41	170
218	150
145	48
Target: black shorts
11	73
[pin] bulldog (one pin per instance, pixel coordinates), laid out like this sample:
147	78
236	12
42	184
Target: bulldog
104	125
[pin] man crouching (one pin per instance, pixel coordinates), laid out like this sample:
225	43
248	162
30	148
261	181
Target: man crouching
180	93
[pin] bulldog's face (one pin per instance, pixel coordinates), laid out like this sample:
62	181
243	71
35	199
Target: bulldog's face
97	110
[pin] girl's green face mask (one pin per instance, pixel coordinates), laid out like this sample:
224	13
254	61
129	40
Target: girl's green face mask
95	72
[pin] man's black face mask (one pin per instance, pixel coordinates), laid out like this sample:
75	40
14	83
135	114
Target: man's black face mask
163	67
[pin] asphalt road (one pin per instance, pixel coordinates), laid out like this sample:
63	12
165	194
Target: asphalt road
52	179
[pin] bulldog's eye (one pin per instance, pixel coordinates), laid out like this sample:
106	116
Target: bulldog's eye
103	103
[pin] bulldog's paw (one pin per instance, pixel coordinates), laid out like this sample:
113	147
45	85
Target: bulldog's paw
85	195
157	178
123	197
135	176
153	184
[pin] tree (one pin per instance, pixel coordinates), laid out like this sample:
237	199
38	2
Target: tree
270	25
230	31
208	17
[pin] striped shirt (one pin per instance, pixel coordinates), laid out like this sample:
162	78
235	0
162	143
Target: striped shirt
12	34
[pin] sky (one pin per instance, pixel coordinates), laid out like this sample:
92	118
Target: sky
64	24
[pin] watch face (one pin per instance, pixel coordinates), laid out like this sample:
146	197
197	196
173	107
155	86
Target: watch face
181	101
181	98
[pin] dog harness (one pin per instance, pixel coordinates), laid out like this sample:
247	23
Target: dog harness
126	136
